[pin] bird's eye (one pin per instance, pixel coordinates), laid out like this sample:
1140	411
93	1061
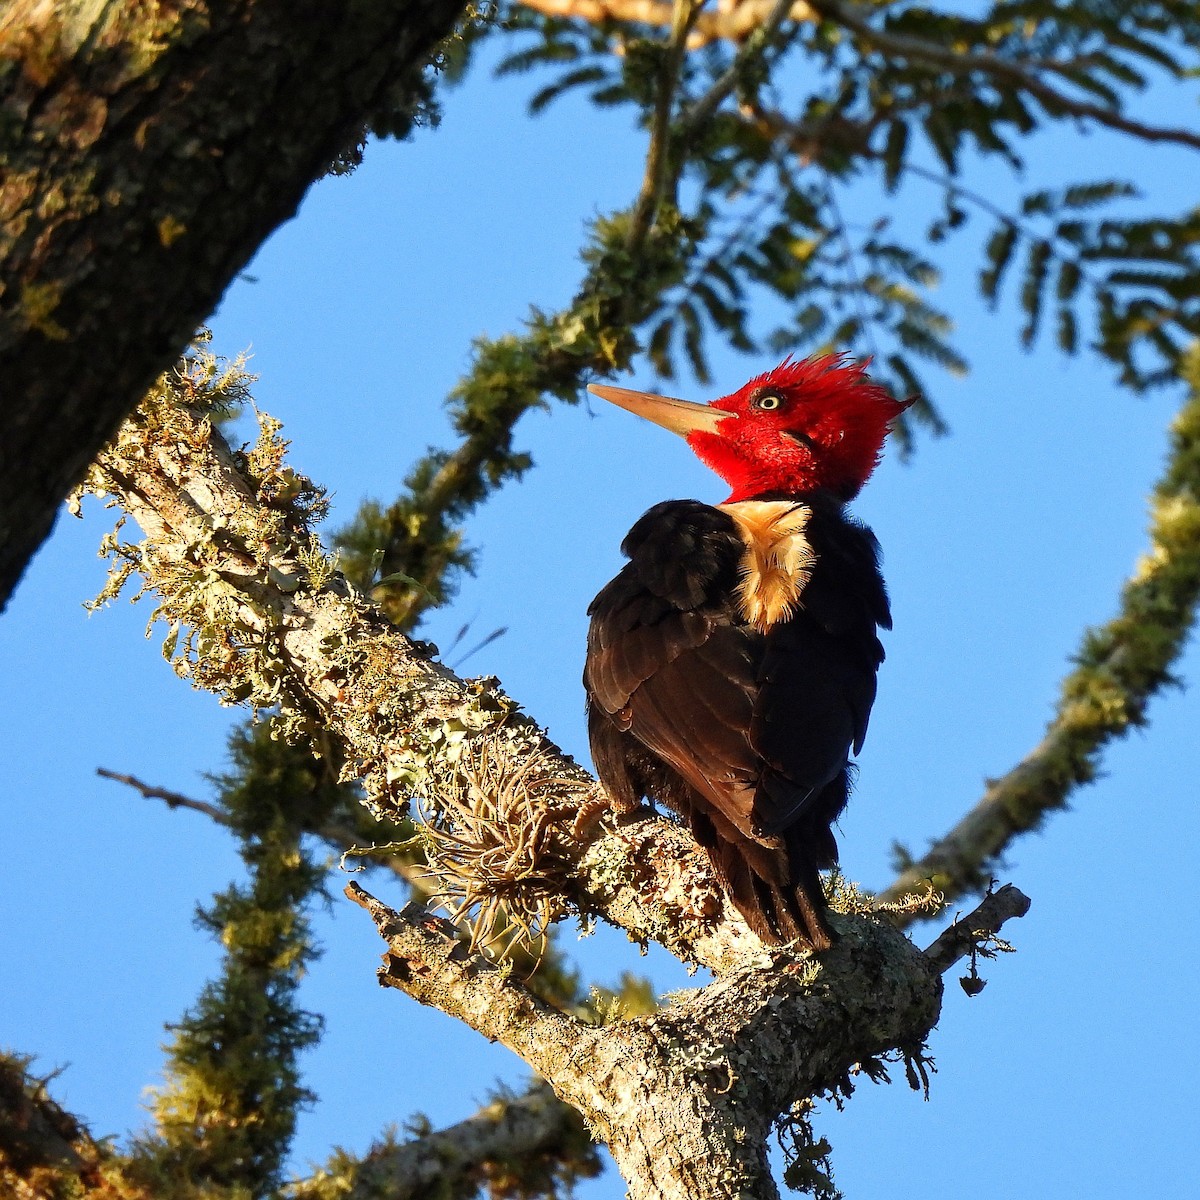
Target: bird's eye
768	401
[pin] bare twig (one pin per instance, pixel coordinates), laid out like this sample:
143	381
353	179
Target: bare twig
986	920
339	834
171	799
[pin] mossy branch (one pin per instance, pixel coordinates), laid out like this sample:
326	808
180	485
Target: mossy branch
258	615
48	1154
686	1096
516	1146
1121	667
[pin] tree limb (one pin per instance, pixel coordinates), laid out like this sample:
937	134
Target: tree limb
147	152
268	621
960	938
685	1098
511	1136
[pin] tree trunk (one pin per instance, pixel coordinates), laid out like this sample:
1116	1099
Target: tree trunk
146	150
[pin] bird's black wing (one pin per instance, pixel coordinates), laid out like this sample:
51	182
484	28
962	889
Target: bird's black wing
670	664
817	681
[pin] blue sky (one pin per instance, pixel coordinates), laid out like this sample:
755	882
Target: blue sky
1074	1073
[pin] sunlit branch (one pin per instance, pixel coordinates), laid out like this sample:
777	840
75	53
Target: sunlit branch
427	960
505	1132
296	635
985	921
733	20
788	1027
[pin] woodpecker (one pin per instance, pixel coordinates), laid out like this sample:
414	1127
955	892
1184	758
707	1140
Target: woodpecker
731	663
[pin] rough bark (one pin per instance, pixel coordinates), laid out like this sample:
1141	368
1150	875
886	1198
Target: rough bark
146	150
269	621
685	1099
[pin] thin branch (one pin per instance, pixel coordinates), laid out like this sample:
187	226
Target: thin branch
340	834
704	108
856	285
529	1127
171	799
658	155
1011	73
985	921
427	960
1122	666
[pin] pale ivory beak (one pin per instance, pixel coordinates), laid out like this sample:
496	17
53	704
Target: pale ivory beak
679	416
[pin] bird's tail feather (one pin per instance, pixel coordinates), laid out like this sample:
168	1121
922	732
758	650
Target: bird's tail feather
776	888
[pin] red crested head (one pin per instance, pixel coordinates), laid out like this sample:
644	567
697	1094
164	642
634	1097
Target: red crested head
819	423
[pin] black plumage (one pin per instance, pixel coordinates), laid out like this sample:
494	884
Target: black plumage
745	732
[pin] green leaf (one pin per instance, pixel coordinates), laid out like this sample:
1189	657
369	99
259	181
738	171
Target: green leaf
893	155
1068	331
546	96
1033	289
999	254
1070	275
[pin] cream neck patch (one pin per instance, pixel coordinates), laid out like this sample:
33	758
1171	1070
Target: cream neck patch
778	560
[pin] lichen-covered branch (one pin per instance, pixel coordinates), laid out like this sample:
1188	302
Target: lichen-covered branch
515	1146
686	1097
427	960
257	614
958	940
1121	667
